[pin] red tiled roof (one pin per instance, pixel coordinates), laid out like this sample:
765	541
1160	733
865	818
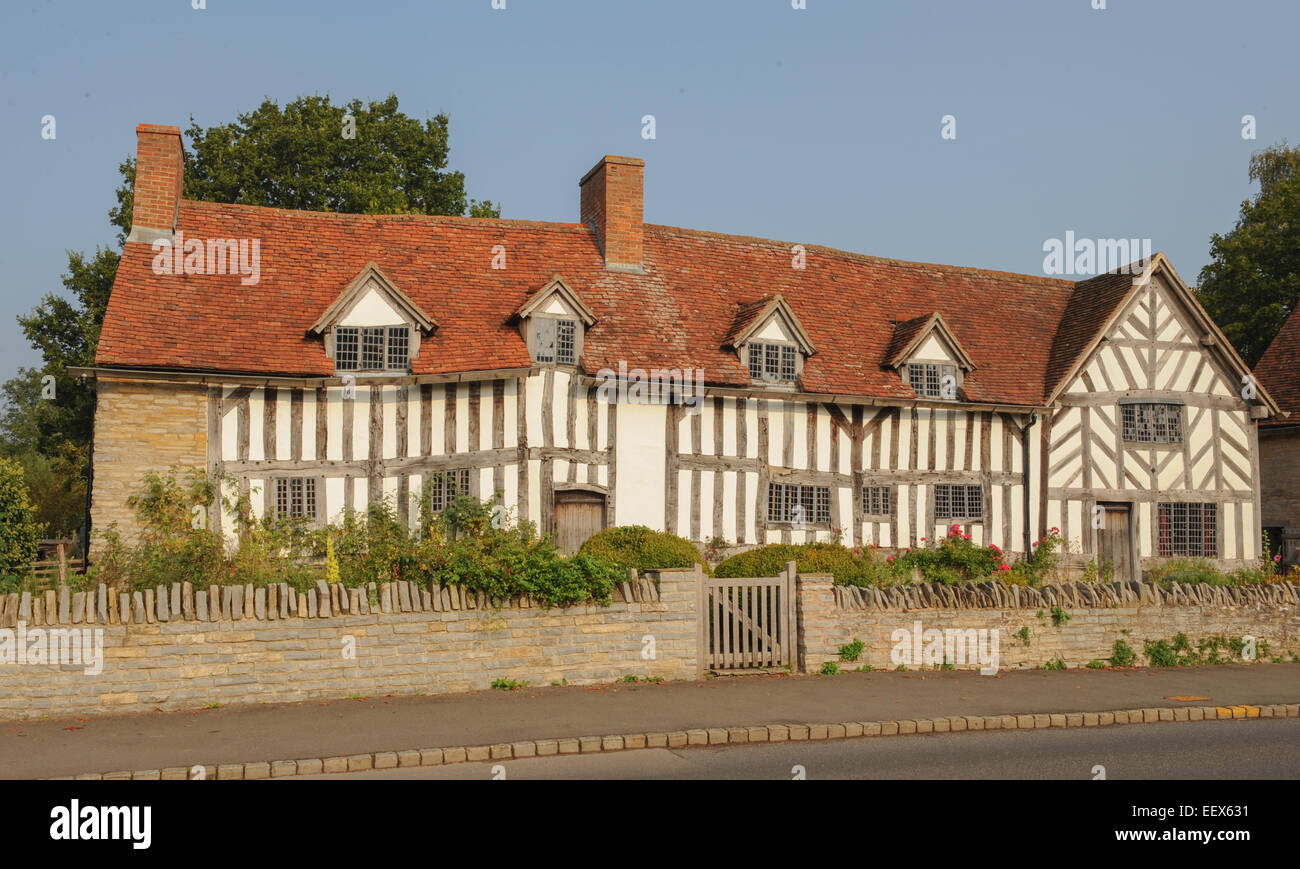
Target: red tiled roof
1091	305
696	287
1279	370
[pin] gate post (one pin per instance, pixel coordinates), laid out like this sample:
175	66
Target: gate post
815	606
701	625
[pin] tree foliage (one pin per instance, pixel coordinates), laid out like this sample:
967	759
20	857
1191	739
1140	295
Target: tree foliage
295	156
1253	282
20	530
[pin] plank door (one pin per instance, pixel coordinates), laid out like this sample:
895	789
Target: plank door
578	515
1115	540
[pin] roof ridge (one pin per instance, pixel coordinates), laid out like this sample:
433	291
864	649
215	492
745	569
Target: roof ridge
415	217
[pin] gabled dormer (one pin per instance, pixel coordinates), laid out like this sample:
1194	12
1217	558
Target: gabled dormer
770	342
373	327
929	358
553	323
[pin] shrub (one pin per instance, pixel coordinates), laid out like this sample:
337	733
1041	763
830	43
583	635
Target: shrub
1122	654
849	567
641	548
20	532
851	652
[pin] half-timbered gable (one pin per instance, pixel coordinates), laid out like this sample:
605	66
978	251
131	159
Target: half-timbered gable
1153	433
611	372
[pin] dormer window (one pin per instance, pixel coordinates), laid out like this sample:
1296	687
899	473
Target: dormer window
372	348
553	323
929	358
373	327
770	342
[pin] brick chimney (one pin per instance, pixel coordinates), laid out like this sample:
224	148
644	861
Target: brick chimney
159	177
612	202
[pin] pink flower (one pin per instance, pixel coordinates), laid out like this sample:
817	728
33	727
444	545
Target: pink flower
1035	542
1277	557
890	558
1055	531
967	536
994	547
1004	566
922	539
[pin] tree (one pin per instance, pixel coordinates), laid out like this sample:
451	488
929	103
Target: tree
359	158
20	532
1253	282
316	156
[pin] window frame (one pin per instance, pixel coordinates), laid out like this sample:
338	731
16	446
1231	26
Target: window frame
941	367
819	519
358	349
535	334
316	483
1166	530
788	358
445	492
889	499
1178	408
963	518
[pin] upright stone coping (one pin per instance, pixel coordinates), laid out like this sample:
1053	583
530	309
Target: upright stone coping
1077	595
181	602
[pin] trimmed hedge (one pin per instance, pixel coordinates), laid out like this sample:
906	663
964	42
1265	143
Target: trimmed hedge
642	548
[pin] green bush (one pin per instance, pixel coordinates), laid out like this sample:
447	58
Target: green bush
641	548
1122	654
20	532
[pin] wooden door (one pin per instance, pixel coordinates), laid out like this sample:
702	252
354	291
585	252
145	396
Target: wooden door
578	515
1115	540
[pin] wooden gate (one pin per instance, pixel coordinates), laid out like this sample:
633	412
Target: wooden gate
746	624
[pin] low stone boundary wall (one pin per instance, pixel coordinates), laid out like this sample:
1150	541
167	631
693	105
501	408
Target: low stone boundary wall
1099	614
176	647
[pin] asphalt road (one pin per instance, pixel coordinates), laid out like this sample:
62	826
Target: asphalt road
1255	749
38	748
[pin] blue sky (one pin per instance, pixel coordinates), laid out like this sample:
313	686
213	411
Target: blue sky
819	125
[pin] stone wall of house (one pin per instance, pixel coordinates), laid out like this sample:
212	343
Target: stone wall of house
141	427
173	648
1099	614
1279	490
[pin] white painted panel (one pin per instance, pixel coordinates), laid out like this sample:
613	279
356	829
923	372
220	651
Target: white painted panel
230	434
361	426
361	493
334	435
798	414
485	412
256	420
463	418
533	510
282	424
257	496
997	533
751	517
923	423
728	530
641	457
485	489
309	423
1145	523
372	310
1074	509
413	421
1250	548
774	330
511	427
388	418
534	389
707	530
1172	475
825	461
1014	541
933	350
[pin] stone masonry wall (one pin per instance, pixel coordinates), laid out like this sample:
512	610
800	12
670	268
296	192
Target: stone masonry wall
171	648
141	427
1099	614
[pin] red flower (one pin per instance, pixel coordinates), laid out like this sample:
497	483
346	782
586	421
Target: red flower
922	539
1003	566
967	536
1035	542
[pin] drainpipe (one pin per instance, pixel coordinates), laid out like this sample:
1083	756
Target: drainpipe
1024	454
